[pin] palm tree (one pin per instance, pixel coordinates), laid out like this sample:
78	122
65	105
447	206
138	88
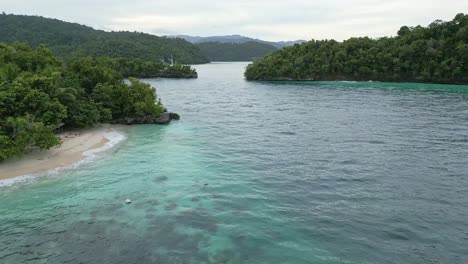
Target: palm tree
66	96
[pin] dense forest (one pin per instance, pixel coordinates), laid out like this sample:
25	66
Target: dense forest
139	68
40	95
437	53
248	51
70	40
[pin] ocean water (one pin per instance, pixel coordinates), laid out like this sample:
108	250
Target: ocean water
258	172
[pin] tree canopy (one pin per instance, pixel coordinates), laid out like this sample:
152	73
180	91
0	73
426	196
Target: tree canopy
40	95
71	40
437	53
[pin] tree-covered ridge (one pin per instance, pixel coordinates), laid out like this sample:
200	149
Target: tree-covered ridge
71	40
39	95
138	68
248	51
437	53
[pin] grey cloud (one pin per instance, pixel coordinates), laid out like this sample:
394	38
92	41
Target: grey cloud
272	20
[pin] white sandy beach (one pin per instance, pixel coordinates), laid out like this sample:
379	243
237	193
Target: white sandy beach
74	144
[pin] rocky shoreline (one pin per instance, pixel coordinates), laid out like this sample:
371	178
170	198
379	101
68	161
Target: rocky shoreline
164	119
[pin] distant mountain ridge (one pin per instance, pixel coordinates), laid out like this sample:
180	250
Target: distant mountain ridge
236	39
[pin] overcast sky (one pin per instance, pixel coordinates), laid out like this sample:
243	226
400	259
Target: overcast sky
264	19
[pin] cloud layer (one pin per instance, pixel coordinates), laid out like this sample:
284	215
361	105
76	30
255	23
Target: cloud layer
270	20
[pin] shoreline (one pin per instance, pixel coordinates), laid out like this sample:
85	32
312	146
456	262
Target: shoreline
76	146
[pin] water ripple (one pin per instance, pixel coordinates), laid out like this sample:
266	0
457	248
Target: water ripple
262	173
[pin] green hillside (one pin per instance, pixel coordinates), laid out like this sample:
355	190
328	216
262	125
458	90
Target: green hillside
71	40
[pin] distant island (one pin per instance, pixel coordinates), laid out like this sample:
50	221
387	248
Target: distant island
247	51
70	40
41	95
437	54
235	47
237	39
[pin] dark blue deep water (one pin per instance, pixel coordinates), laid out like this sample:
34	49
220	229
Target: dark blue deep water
254	172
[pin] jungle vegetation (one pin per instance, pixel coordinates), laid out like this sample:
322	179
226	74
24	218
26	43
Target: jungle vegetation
40	95
437	53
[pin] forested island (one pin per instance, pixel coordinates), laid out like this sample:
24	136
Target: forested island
69	41
41	95
247	51
437	53
237	39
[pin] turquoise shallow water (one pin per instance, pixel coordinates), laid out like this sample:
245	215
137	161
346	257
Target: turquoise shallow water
257	172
